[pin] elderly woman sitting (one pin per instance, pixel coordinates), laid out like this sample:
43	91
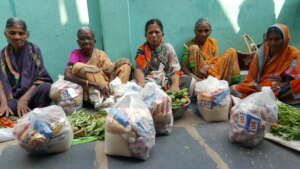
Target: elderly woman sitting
201	59
92	68
24	81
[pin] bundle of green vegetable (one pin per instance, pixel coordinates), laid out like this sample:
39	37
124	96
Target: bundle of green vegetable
288	125
87	124
179	98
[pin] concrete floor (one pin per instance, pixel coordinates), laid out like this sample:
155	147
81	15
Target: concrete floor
193	144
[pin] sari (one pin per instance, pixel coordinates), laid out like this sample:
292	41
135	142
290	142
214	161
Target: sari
20	71
266	71
160	64
224	67
98	68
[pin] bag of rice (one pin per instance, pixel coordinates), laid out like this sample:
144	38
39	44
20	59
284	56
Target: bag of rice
160	106
66	94
44	130
213	99
129	128
251	117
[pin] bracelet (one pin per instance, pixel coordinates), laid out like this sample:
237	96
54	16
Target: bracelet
87	83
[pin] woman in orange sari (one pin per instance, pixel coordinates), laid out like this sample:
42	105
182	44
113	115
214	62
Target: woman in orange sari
200	57
269	65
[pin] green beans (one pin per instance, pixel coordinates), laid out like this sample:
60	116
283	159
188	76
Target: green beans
288	125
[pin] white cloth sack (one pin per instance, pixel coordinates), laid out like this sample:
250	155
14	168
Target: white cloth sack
213	99
44	130
252	116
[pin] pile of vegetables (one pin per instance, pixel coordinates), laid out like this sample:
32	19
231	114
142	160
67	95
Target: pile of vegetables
8	122
88	124
179	98
288	125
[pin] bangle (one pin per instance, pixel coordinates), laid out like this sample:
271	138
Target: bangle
87	83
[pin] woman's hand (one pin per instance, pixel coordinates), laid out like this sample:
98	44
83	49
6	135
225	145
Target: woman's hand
104	90
5	110
255	86
22	107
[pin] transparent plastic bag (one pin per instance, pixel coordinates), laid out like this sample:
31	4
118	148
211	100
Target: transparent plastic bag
66	94
44	131
213	99
129	128
160	106
252	116
6	134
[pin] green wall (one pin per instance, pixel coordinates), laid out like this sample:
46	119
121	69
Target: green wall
53	33
119	24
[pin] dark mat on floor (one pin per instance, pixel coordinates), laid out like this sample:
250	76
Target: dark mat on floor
78	157
177	151
266	155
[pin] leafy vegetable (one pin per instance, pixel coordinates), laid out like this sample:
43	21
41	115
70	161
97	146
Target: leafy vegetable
86	124
288	125
179	98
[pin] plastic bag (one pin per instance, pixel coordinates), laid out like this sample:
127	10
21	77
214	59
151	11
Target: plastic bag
160	106
252	116
67	94
44	130
129	128
121	90
213	99
6	134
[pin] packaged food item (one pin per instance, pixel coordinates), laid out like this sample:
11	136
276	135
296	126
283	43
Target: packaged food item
251	117
44	130
129	128
66	94
160	106
213	99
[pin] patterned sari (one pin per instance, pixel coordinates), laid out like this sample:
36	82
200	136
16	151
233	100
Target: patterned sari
160	64
266	71
223	67
20	71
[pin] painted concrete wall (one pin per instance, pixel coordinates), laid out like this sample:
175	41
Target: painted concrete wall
230	20
53	26
119	24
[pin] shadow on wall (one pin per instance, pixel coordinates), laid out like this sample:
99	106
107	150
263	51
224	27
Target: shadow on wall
178	18
254	18
289	15
229	20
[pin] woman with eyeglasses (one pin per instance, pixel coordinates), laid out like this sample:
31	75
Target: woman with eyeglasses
200	57
24	81
92	68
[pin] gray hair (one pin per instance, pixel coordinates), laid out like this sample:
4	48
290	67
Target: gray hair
85	29
16	22
202	21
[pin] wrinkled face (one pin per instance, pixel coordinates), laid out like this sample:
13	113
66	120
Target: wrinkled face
16	36
154	35
275	41
86	41
202	32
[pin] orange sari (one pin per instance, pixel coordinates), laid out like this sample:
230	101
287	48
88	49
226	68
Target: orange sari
223	67
266	71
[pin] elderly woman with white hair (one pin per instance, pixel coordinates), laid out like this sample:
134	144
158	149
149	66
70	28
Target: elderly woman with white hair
200	57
